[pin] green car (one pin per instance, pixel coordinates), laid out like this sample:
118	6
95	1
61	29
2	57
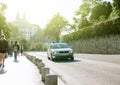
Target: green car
60	51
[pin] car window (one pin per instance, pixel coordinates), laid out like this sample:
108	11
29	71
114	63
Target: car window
54	46
60	45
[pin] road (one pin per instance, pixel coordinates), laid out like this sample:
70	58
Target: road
86	69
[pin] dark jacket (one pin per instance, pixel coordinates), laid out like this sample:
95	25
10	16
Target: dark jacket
3	46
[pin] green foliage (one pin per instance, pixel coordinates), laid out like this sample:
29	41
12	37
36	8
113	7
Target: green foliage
15	35
82	14
83	23
116	9
25	44
54	27
37	41
38	37
39	47
3	7
4	26
98	30
101	10
117	5
90	12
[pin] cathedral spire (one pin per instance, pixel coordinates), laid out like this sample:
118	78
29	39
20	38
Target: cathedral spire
24	16
18	15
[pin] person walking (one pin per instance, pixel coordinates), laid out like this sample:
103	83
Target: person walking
10	49
21	49
3	49
16	50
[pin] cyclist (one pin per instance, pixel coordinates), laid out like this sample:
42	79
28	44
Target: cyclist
3	49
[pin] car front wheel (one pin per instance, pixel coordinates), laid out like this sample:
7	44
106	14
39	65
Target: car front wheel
72	58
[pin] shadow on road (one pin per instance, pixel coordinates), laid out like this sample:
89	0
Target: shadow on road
3	71
66	61
16	61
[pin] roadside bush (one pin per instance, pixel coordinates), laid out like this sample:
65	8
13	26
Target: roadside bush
102	29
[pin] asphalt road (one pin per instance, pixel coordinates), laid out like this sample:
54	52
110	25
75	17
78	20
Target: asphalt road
86	69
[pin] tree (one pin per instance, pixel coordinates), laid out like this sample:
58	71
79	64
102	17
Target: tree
38	37
116	9
15	35
54	27
25	44
83	13
100	11
3	7
117	6
91	11
83	23
4	26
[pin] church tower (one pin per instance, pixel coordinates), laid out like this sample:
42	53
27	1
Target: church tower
24	16
18	16
24	27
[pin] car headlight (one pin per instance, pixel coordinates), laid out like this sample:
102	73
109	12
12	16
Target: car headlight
55	52
71	51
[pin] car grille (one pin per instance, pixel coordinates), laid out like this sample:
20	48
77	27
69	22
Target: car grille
64	52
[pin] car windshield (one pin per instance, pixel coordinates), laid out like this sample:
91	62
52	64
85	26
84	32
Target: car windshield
60	45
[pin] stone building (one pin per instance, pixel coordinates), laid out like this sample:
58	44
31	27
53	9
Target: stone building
24	27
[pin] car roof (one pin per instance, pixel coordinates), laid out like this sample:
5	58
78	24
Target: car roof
58	43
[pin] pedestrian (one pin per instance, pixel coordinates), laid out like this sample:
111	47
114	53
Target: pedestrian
21	49
16	50
10	49
3	49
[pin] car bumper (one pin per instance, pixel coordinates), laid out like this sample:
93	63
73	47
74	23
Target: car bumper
62	56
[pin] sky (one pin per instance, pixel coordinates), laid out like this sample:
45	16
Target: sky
41	11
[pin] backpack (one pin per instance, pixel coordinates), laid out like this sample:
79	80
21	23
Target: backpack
16	47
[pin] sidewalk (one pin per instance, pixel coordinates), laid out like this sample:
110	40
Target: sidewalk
22	72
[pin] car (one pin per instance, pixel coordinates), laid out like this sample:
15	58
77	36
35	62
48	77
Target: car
60	50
